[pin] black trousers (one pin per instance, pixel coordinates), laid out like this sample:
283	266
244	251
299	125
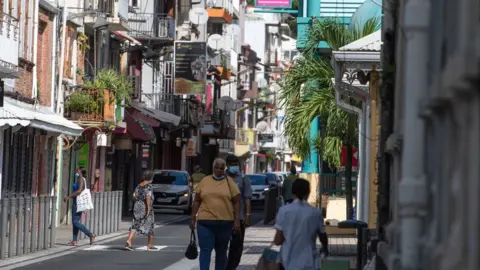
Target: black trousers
236	248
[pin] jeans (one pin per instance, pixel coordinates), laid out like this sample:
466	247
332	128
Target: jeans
214	234
236	248
77	225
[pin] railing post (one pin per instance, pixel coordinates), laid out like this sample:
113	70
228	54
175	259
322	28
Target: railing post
114	211
26	224
111	214
100	218
53	226
34	242
3	228
19	225
46	219
41	223
11	233
120	210
95	213
107	212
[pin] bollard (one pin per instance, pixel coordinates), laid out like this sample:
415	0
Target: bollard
34	242
53	227
19	225
41	223
46	219
3	228
11	227
26	224
100	216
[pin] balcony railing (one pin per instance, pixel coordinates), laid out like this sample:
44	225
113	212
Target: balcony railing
147	26
271	57
9	40
90	105
221	59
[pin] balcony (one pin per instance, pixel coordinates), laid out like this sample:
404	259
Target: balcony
271	56
220	11
223	64
116	12
90	107
151	27
9	38
244	141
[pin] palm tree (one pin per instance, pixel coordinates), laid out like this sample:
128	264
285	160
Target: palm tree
307	92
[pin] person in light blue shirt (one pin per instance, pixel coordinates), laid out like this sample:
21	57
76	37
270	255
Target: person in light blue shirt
297	227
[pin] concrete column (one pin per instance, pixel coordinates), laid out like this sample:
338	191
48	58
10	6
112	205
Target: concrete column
412	188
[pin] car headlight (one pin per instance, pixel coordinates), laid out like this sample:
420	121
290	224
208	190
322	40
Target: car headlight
266	189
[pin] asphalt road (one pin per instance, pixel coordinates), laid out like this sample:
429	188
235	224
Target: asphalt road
171	240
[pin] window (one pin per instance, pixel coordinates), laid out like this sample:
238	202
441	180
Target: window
134	3
170	178
215	28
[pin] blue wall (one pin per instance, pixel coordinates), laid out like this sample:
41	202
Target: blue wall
310	164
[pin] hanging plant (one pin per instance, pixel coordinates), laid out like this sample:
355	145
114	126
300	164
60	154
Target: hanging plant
110	79
82	42
82	102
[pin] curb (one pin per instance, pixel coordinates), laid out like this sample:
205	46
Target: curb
39	256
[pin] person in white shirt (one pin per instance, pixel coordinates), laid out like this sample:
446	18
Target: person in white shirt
297	227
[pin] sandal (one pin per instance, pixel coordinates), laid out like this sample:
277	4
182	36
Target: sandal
152	248
128	246
73	243
92	239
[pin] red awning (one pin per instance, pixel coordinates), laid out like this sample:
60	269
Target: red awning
126	37
138	129
261	155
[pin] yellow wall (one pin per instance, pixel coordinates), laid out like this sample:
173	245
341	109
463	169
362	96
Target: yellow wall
374	137
241	146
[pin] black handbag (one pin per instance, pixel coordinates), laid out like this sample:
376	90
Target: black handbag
192	252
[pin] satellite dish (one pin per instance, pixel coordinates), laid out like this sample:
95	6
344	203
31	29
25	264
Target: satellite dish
261	82
226	103
216	42
198	16
233	29
262	127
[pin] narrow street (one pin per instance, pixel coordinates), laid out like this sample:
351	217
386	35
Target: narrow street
171	241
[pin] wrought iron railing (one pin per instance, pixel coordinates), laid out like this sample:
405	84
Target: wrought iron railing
151	26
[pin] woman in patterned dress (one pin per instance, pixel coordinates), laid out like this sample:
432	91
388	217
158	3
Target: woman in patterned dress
143	216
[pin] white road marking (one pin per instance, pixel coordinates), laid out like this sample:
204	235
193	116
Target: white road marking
183	264
158	248
97	247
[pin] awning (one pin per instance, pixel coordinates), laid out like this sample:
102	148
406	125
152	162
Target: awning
138	129
125	36
161	116
16	112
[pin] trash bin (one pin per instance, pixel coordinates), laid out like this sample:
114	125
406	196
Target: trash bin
361	228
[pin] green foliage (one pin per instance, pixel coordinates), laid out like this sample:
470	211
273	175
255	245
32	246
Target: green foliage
82	102
307	92
110	79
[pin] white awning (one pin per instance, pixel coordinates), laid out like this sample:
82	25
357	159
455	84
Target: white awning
16	112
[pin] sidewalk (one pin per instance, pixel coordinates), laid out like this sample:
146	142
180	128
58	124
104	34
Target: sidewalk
260	236
64	233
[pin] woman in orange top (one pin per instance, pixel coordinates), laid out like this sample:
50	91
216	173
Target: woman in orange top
217	203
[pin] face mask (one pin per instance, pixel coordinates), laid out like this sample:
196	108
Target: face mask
77	175
218	177
233	169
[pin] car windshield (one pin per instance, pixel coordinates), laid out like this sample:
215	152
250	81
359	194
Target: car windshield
170	178
257	180
272	178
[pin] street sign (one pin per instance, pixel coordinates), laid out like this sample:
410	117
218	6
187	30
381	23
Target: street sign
354	156
263	138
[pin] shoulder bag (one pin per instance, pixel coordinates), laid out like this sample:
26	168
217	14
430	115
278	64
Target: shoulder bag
84	199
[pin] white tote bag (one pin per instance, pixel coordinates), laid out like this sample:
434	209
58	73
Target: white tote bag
84	200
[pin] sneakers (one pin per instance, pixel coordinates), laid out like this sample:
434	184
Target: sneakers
128	246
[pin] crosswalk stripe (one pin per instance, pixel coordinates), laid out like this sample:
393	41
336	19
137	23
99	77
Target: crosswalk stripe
111	247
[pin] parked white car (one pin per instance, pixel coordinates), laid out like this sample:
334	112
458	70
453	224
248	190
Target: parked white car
260	185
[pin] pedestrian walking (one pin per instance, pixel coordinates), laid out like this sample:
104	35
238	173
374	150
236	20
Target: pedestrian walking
287	185
218	206
297	227
77	188
143	216
236	242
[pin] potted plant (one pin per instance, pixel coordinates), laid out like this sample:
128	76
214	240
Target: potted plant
81	103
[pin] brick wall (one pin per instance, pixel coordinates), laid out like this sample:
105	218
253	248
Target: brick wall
24	84
44	57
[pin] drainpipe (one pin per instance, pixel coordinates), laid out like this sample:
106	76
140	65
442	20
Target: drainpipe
412	189
360	200
62	59
35	48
